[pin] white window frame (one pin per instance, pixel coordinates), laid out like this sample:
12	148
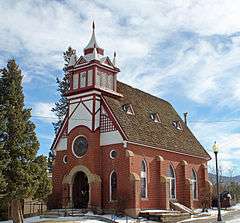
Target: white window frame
73	145
110	185
75	81
65	159
194	182
89	77
110	154
82	74
104	80
98	79
110	82
170	183
144	175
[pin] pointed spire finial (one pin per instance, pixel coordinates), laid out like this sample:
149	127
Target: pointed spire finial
91	43
114	58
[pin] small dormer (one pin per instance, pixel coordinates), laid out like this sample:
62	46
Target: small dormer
154	117
128	109
177	125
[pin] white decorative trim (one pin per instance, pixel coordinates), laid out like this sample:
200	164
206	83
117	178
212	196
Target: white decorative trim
62	144
110	138
64	159
145	177
170	183
78	66
196	181
83	99
60	132
80	114
110	154
109	109
88	93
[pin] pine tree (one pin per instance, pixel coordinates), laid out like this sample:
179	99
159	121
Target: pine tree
22	172
60	108
3	160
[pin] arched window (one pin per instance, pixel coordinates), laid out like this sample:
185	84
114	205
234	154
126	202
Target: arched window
194	185
172	182
143	179
113	186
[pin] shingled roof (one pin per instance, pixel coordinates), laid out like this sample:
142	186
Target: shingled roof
139	128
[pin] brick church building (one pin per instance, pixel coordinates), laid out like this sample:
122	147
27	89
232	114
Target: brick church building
121	147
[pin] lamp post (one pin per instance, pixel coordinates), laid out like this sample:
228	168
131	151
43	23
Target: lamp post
215	150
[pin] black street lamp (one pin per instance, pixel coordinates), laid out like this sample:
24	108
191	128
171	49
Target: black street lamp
215	150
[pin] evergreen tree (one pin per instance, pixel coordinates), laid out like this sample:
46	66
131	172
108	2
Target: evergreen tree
3	160
60	108
24	173
41	176
50	161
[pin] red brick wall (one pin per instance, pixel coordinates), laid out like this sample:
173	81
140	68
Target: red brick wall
91	160
121	166
98	161
182	173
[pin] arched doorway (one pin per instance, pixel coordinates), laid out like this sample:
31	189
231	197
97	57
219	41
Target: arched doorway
80	190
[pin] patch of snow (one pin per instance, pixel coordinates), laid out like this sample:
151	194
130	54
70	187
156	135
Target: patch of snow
236	207
212	213
233	221
149	211
77	219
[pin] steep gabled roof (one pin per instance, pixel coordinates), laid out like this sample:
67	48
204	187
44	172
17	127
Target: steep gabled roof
139	128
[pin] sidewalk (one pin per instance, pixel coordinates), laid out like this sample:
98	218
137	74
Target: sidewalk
231	215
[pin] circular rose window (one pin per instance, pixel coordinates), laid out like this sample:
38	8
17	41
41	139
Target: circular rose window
113	154
80	146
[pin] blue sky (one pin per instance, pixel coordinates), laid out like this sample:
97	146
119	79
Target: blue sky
185	51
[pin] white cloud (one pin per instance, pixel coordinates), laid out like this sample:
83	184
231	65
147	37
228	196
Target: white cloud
42	111
227	139
203	67
44	29
26	77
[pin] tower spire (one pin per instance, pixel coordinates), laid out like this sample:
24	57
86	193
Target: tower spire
93	40
90	46
114	58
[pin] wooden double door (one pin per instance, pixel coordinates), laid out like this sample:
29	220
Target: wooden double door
80	190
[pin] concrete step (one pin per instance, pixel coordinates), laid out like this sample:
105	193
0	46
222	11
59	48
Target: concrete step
164	215
180	207
65	212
